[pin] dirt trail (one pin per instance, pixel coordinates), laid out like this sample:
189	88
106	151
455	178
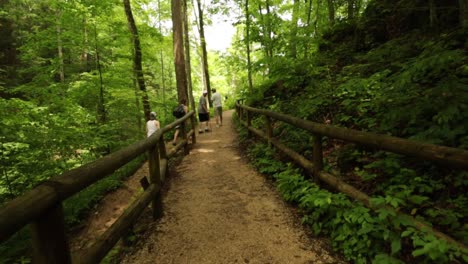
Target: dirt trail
218	209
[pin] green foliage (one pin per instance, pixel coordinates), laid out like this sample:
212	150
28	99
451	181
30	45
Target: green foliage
363	235
75	209
51	124
262	156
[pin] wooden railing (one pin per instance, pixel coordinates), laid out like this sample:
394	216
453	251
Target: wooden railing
41	207
450	157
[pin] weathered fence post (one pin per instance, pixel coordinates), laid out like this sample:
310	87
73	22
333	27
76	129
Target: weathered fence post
162	148
193	121
241	113
317	156
249	122
155	177
268	129
162	156
50	244
183	130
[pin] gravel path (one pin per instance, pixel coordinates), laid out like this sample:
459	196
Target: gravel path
218	209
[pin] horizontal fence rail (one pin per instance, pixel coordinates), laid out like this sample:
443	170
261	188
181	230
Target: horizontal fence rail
452	157
456	158
42	206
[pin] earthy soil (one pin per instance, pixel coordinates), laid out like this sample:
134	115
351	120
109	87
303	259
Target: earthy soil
217	209
108	211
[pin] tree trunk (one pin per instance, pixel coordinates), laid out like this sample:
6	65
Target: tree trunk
59	46
179	63
432	14
309	13
351	9
85	52
161	57
463	12
188	64
309	28
331	12
137	103
138	69
292	40
101	107
269	31
265	31
247	41
317	17
206	73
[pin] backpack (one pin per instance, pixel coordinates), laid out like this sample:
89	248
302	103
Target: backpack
178	111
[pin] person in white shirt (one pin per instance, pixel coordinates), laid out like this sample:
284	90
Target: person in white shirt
218	108
152	125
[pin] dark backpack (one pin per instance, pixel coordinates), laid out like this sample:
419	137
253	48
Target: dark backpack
178	111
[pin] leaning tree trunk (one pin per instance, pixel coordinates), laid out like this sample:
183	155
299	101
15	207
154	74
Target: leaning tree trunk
201	28
188	66
137	68
179	63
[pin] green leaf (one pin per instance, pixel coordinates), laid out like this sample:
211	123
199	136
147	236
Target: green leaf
396	246
417	199
406	233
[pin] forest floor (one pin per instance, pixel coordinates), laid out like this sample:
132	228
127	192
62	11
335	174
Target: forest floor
217	209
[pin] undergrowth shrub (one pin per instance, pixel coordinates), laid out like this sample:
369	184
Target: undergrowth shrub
15	250
413	87
359	233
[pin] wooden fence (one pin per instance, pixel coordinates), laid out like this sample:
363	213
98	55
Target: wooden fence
450	157
41	207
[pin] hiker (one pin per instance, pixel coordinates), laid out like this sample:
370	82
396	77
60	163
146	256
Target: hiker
203	114
152	125
183	102
218	108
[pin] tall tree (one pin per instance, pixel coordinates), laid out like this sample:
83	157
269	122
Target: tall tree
137	65
463	12
188	64
247	43
179	63
308	27
295	19
161	58
331	12
101	105
201	29
60	46
351	8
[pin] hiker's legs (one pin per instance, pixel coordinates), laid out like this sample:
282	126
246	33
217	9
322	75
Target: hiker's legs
220	116
204	118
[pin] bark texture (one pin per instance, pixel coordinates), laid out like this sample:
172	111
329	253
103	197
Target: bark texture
179	61
137	66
